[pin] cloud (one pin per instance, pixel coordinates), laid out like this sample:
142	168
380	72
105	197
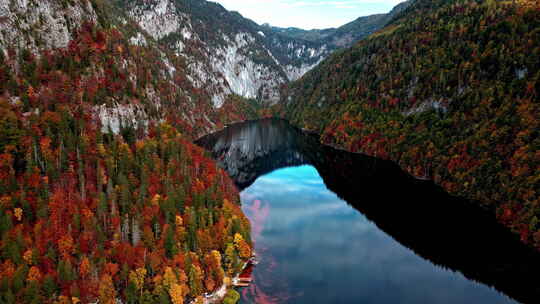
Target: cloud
307	14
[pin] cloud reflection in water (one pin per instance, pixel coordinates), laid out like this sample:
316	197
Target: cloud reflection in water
315	248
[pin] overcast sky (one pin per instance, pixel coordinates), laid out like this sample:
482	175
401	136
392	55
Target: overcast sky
307	14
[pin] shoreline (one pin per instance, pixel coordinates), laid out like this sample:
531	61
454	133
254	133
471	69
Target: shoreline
219	294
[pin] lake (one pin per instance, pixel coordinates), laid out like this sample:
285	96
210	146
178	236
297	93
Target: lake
336	227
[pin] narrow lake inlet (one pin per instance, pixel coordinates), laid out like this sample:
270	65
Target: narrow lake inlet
337	227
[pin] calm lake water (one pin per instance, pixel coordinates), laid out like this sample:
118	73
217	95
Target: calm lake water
337	227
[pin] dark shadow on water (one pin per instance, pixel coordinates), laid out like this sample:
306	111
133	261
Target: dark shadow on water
443	229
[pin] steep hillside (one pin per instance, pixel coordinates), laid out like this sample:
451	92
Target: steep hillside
228	53
345	35
449	90
102	194
222	53
131	77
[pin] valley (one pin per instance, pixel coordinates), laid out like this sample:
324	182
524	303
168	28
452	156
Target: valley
446	97
106	197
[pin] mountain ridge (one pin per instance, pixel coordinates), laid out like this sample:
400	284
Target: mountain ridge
451	96
104	197
347	34
231	53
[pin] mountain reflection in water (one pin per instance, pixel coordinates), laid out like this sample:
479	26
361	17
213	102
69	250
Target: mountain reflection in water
446	231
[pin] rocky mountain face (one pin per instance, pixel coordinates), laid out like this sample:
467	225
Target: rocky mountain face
449	90
251	149
137	76
345	35
98	171
224	52
21	22
198	55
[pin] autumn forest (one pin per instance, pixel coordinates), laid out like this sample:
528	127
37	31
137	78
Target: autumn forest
140	214
104	197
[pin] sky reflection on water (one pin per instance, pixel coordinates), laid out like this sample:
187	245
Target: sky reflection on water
315	248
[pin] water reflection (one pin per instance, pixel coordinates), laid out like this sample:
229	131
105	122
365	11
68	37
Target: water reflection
317	249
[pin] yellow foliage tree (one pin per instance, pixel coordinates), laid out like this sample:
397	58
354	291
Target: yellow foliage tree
169	278
180	230
107	293
178	221
137	277
27	256
217	256
101	149
242	246
177	292
238	238
18	213
155	200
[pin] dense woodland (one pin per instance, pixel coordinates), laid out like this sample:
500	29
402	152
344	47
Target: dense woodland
103	196
90	213
450	91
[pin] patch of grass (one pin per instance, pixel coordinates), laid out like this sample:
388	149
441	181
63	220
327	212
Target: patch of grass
385	31
231	297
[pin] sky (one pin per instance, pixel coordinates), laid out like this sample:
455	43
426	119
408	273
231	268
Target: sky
307	14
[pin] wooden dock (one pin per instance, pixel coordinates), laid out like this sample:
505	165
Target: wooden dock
244	279
242	282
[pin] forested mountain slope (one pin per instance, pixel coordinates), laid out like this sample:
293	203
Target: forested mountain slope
102	194
347	34
228	53
131	77
449	90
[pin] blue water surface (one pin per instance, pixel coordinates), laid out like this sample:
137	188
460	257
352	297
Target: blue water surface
315	248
